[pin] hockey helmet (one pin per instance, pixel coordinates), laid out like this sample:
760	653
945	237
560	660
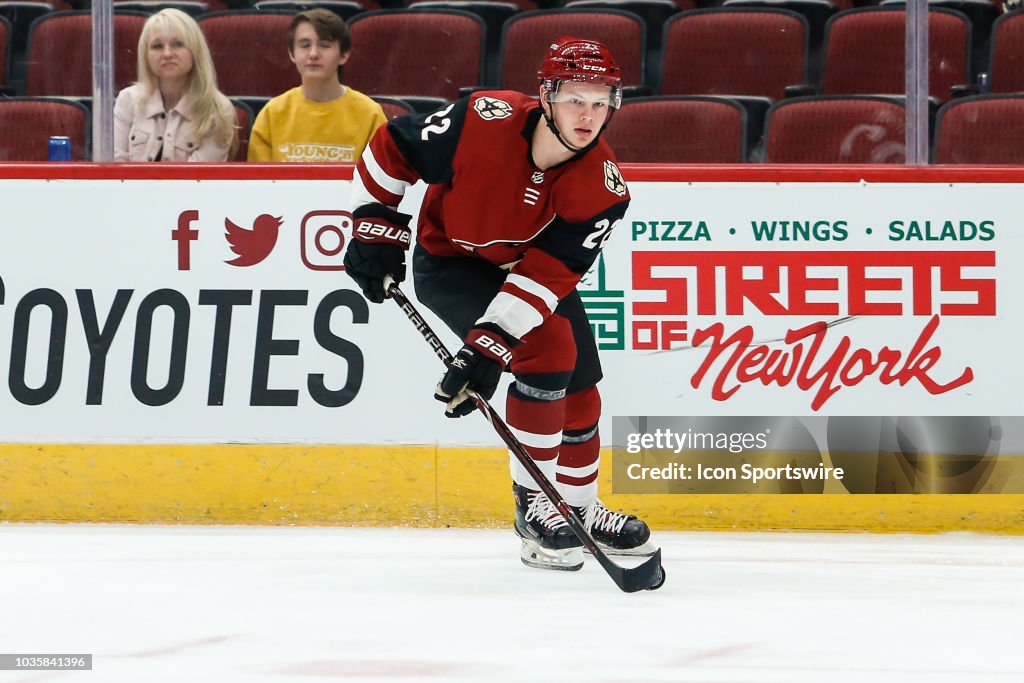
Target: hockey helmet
581	61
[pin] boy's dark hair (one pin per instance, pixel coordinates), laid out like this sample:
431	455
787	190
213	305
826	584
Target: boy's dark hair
327	24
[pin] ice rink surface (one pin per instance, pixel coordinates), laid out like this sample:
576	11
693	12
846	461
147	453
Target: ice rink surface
234	604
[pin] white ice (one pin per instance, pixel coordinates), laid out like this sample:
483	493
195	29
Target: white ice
234	604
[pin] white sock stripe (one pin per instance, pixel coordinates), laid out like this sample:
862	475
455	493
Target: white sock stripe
535	288
578	471
512	314
577	496
538	440
392	185
523	478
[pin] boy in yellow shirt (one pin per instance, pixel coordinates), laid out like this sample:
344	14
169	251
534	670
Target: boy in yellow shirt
321	120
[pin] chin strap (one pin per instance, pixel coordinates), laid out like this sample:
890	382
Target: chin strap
578	151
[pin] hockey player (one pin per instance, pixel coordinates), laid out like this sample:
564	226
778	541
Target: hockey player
522	196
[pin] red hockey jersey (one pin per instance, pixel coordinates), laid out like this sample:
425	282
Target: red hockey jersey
486	199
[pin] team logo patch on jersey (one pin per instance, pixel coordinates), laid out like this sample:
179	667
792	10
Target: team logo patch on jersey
613	179
491	109
537	178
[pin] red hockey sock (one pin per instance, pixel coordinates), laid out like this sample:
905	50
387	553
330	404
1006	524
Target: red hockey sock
579	456
537	423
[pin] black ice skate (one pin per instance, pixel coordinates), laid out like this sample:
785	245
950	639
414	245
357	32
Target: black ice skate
548	542
616	533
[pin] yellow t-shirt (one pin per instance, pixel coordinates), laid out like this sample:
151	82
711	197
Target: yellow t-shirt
291	127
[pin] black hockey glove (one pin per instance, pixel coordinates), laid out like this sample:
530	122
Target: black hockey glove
477	366
380	238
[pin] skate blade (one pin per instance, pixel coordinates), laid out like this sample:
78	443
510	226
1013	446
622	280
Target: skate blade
568	560
645	550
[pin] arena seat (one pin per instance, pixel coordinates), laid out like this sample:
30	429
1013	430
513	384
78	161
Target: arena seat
816	12
37	118
985	129
398	53
654	14
734	51
393	106
242	70
189	7
244	116
5	49
494	15
59	60
1006	62
858	129
346	9
20	15
864	52
527	37
679	130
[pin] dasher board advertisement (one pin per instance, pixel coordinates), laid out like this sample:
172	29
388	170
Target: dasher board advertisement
217	310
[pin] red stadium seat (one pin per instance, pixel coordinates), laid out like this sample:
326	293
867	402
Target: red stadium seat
250	51
1007	60
494	14
346	9
20	15
26	124
864	52
528	35
5	48
681	130
193	8
858	129
421	53
60	52
986	129
816	12
393	107
243	119
734	51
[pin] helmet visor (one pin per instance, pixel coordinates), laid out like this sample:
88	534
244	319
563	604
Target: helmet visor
597	90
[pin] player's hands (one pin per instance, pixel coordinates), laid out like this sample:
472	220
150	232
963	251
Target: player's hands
476	367
380	238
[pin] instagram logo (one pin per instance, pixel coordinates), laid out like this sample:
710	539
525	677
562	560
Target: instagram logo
322	238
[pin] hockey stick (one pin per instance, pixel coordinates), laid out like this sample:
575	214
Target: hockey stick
647	576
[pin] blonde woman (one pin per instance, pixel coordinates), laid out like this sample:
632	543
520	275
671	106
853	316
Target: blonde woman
175	111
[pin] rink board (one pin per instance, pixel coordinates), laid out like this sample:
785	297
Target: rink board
325	401
410	486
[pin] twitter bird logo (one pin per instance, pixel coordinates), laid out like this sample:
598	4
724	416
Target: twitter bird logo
252	246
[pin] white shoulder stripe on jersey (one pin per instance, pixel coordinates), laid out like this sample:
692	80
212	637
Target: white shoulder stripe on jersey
512	314
537	440
379	176
535	288
360	195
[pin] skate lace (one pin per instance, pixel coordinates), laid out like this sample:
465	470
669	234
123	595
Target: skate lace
541	508
600	517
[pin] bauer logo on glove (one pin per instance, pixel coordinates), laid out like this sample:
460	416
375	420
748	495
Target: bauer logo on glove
380	238
477	367
367	231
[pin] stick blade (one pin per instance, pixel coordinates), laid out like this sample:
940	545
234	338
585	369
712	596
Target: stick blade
646	576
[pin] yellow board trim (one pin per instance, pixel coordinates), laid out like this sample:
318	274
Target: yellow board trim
418	486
